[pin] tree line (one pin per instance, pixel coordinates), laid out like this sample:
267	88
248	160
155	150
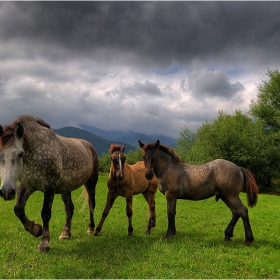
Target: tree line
250	139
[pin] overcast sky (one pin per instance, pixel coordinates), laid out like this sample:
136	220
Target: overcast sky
151	67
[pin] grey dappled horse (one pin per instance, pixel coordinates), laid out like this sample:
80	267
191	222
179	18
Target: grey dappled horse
220	178
39	159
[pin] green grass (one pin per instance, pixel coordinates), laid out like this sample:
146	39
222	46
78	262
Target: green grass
197	250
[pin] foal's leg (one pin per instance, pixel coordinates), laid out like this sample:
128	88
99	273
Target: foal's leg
30	226
111	197
46	214
150	198
69	210
129	212
171	213
238	210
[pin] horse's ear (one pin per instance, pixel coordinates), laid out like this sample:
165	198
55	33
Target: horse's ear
1	130
157	144
122	148
141	145
19	131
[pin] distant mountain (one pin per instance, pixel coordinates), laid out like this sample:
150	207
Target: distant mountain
100	144
130	137
110	135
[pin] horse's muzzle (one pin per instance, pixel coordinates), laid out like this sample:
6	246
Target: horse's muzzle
149	175
8	195
118	177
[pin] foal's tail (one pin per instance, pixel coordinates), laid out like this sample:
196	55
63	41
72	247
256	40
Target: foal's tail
250	187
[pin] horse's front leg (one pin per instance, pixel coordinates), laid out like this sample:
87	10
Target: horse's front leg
171	213
22	197
69	210
150	198
129	212
46	214
111	197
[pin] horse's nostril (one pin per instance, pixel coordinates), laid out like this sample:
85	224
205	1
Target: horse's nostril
149	176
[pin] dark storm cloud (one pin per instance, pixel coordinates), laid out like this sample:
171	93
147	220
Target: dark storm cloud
164	32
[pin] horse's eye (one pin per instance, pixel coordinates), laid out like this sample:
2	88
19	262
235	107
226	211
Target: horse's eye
21	154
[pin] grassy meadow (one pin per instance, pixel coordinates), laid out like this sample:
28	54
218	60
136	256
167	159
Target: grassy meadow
197	250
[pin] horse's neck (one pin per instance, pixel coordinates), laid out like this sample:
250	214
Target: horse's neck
163	162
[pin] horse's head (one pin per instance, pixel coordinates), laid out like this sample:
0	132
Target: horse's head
117	161
150	157
11	159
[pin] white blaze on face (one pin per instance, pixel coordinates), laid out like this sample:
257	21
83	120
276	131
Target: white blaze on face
120	163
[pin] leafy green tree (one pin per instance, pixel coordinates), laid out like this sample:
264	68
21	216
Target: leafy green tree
185	143
104	162
134	156
237	138
267	105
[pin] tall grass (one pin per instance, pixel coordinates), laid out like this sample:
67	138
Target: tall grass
197	250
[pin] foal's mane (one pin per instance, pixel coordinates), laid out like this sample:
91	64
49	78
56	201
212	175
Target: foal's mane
29	124
167	150
114	147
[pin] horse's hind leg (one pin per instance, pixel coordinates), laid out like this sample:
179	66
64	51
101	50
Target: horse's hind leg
30	226
111	197
90	187
238	210
69	210
150	198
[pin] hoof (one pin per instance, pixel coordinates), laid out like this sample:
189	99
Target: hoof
62	237
95	233
66	234
248	242
44	246
90	231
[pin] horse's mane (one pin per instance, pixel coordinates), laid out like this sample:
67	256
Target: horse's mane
171	152
114	147
166	150
29	124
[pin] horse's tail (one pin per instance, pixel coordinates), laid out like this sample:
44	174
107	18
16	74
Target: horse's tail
250	187
92	181
83	195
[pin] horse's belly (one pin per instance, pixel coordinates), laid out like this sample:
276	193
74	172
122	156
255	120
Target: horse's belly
66	184
197	193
